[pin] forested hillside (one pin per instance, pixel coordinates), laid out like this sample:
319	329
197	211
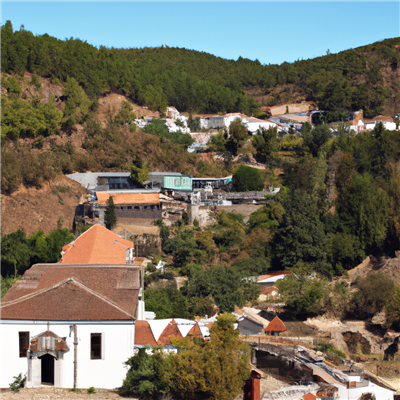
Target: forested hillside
352	79
362	78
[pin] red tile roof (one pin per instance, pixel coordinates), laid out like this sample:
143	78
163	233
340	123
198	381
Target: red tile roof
143	334
97	245
195	331
170	330
68	300
276	325
128	198
262	277
116	284
309	396
383	118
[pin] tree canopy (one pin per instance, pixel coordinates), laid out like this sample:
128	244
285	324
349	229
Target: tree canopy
246	179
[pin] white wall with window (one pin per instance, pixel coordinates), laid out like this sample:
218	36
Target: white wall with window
102	349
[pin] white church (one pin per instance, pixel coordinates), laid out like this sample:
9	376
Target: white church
70	325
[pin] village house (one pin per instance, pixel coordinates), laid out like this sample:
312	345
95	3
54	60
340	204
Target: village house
172	113
269	280
250	322
139	206
361	124
275	327
254	125
70	325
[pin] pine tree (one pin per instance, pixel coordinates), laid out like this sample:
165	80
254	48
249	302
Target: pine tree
110	215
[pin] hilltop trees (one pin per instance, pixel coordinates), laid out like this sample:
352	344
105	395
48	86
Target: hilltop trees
197	81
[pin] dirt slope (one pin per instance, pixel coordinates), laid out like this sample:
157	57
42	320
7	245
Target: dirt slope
46	208
388	266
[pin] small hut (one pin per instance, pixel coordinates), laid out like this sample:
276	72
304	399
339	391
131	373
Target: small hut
275	327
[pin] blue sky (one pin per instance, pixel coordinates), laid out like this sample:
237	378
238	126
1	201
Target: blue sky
272	32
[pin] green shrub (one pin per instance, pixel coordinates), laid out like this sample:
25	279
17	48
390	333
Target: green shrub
17	383
76	390
327	347
91	390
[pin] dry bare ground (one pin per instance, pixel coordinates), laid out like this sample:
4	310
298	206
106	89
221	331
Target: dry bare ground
51	393
46	208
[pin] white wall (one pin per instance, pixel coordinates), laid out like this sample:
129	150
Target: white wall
255	126
107	373
355	393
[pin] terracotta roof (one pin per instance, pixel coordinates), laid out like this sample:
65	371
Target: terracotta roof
128	198
276	325
97	245
269	290
253	119
383	118
195	331
68	300
170	330
118	284
143	334
309	396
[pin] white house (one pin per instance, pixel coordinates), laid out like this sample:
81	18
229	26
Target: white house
358	386
253	125
269	280
388	122
229	118
359	124
69	325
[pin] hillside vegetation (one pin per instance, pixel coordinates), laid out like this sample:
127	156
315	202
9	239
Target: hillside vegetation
361	78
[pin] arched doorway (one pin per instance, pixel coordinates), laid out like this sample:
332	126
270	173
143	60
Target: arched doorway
47	369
